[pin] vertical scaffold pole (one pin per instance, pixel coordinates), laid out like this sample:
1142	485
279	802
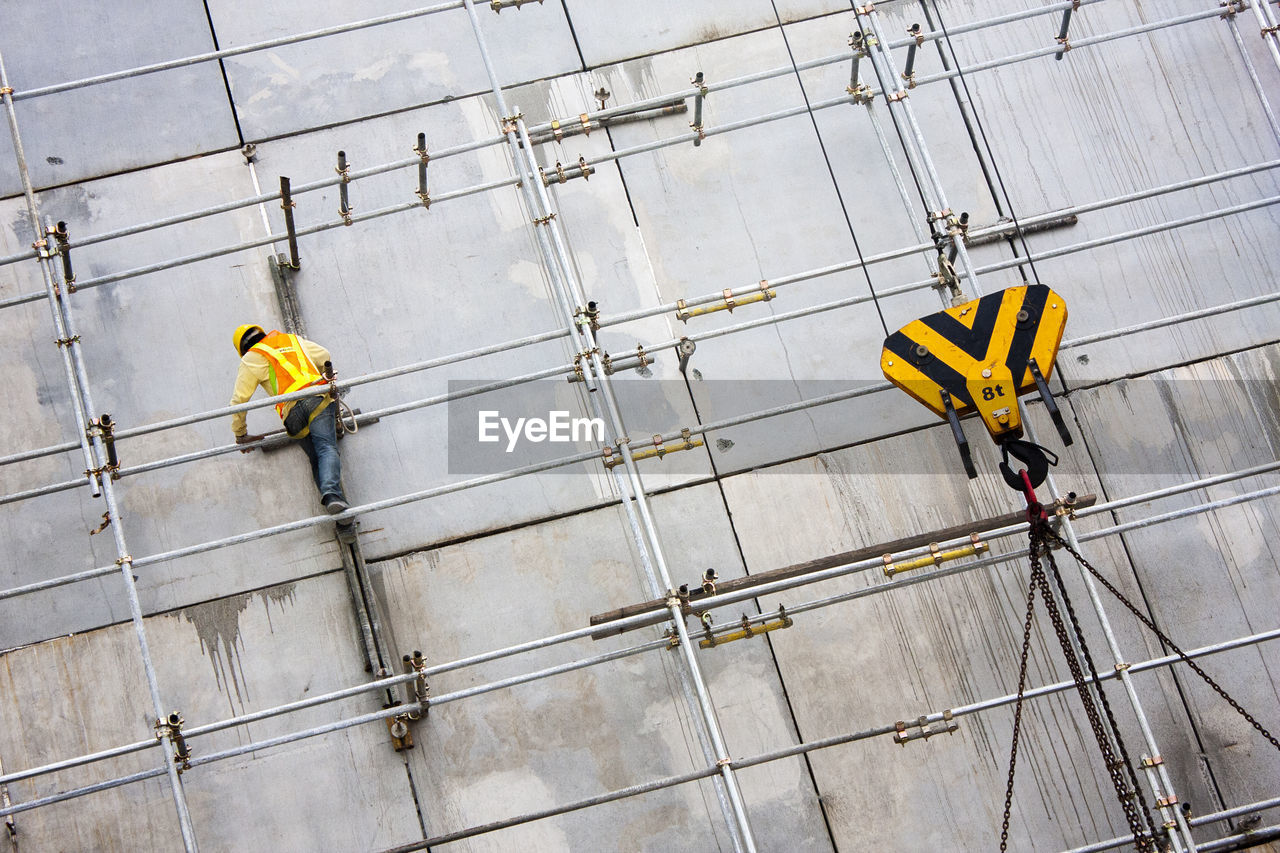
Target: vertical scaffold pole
1157	776
78	384
634	501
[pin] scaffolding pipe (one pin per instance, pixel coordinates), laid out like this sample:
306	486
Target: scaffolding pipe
235	51
610	156
270	239
97	453
291	230
704	429
1009	264
560	273
51	293
1267	24
774	283
1253	75
614	155
648	543
763	758
599	115
423	158
109	500
977	707
266	402
1062	34
939	211
569	294
638	620
1158	778
1204	820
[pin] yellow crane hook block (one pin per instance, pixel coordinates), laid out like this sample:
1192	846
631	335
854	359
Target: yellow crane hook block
981	356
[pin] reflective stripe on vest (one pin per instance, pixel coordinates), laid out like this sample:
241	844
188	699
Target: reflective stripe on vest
291	368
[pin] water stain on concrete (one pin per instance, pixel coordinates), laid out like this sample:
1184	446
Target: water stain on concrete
217	623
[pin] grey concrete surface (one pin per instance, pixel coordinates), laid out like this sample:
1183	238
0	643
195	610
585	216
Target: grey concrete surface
380	69
264	623
126	124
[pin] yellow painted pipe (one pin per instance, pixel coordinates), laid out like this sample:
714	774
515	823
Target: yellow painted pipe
934	558
744	633
730	302
614	459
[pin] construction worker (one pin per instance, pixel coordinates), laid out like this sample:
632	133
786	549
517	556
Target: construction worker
282	363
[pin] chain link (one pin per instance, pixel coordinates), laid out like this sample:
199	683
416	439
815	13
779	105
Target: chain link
1217	688
1131	800
1017	708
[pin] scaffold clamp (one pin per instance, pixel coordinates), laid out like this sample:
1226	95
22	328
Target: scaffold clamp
922	729
1230	8
417	664
171	727
698	81
861	93
106	520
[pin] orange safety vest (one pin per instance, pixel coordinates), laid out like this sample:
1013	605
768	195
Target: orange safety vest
291	369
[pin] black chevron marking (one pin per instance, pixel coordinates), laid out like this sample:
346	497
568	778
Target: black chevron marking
973	341
1024	338
934	368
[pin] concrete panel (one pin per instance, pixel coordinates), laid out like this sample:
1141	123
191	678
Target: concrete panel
1074	139
127	124
593	730
155	347
442	274
1217	575
757	204
939	645
607	34
380	69
220	658
264	623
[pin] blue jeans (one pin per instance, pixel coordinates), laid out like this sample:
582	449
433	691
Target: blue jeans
321	444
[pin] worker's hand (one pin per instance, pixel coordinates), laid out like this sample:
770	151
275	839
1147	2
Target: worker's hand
248	439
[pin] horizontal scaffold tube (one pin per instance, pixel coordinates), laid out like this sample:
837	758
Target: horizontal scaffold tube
253	47
786	752
777	755
612	320
357	174
642	619
611	156
1203	820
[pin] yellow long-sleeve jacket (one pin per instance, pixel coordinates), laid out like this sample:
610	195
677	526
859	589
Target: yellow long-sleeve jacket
256	371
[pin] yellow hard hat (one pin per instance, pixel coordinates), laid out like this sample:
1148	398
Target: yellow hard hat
238	335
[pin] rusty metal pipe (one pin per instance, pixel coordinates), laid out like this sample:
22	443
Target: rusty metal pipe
286	204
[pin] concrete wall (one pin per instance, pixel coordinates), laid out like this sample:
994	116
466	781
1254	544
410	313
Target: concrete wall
262	623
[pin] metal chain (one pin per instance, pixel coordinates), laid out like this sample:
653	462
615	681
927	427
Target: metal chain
1131	798
1144	841
1217	688
1022	684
